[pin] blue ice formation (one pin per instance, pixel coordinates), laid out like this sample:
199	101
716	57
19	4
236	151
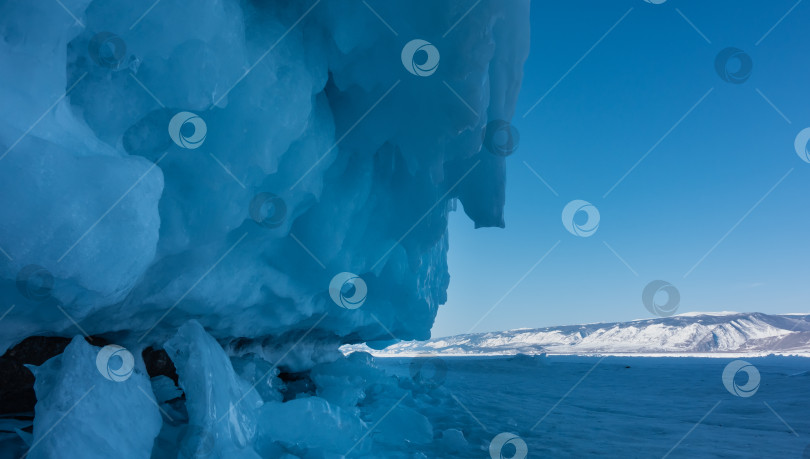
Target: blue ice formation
190	176
73	396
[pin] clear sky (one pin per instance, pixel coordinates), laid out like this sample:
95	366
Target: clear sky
720	205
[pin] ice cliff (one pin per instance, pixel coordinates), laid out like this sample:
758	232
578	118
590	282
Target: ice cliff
190	177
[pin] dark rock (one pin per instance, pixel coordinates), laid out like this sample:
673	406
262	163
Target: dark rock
157	363
17	381
295	384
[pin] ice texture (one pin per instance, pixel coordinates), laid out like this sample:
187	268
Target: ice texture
82	413
220	404
133	227
190	176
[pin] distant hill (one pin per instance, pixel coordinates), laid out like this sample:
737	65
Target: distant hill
686	334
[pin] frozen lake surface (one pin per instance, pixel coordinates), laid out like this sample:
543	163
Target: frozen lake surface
629	407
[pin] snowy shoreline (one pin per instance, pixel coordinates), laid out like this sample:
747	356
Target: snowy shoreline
730	355
704	335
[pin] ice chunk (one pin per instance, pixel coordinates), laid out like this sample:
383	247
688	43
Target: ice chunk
165	389
310	425
222	407
453	440
82	412
261	375
344	381
399	424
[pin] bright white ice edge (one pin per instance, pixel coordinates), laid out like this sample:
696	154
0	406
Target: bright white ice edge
149	236
710	334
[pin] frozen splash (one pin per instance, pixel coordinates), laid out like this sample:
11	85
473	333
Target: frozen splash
225	162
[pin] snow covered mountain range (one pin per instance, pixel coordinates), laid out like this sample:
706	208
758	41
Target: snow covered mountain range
722	333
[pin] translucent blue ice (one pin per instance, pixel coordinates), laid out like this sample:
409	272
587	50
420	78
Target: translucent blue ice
222	162
82	412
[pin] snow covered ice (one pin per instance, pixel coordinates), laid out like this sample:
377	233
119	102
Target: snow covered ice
184	179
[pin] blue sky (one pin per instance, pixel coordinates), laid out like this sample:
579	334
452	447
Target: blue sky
719	208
